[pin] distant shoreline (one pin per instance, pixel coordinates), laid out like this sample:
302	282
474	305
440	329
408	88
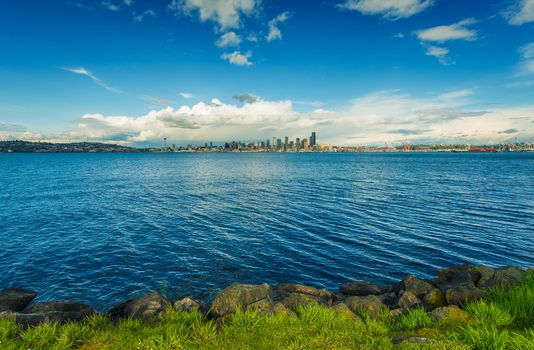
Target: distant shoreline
20	146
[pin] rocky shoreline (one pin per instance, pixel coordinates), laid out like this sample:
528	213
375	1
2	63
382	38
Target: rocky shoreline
441	297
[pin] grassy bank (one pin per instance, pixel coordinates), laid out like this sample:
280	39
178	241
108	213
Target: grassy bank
503	320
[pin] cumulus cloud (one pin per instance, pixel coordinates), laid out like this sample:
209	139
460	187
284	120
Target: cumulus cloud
521	12
94	78
376	118
274	32
237	58
225	13
390	9
141	17
228	40
456	31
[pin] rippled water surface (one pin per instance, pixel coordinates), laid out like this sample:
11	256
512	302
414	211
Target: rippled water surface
99	228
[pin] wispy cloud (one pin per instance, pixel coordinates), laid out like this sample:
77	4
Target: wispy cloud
456	31
156	101
389	9
441	53
274	32
110	6
443	33
94	78
520	12
187	95
237	58
141	17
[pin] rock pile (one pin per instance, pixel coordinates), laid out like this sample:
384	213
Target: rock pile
442	297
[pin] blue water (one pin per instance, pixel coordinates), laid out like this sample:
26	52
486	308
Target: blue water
99	228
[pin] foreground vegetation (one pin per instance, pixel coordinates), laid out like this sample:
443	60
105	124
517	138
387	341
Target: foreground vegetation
503	320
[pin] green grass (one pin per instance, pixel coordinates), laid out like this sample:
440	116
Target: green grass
504	320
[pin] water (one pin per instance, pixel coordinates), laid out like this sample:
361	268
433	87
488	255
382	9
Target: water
99	228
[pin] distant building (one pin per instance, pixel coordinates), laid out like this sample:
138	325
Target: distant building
313	139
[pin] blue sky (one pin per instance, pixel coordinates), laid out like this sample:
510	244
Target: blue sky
356	71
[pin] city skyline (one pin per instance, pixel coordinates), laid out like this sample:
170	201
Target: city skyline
357	71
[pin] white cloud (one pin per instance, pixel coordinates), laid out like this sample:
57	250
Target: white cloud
156	101
228	40
454	95
527	59
441	53
274	32
399	36
111	6
187	95
237	58
141	17
376	118
94	78
521	12
128	2
226	13
390	9
456	31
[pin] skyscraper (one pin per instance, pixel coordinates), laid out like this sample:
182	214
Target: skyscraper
313	139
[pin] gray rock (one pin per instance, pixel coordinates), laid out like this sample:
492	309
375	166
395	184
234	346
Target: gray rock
145	307
369	304
416	286
14	299
450	313
506	277
414	340
344	310
362	288
396	313
293	288
486	273
187	304
408	300
239	297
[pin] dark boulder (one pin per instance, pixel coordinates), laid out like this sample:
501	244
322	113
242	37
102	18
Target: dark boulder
446	276
506	277
486	273
60	306
362	288
416	286
145	307
463	294
241	297
434	299
388	298
408	300
14	299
